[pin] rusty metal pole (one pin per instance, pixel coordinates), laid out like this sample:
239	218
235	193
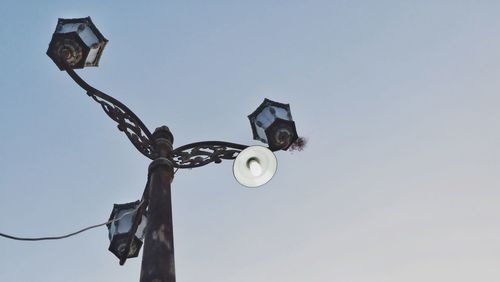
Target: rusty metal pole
158	256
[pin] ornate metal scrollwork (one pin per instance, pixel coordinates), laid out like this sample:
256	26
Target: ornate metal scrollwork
202	153
187	156
127	124
127	121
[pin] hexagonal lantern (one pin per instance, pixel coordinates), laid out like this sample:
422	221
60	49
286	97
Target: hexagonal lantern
78	41
123	216
272	123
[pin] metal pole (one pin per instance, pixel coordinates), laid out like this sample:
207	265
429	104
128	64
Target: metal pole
158	257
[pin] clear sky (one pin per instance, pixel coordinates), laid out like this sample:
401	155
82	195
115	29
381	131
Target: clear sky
399	100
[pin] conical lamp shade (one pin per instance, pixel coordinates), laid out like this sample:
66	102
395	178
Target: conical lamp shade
254	166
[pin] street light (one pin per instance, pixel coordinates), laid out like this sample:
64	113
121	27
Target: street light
272	123
254	166
123	234
77	43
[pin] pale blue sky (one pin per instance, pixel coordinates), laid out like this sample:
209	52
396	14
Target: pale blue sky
399	100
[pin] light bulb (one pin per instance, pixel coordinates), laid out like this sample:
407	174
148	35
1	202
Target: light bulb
254	165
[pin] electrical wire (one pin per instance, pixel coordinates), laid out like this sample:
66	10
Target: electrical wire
71	234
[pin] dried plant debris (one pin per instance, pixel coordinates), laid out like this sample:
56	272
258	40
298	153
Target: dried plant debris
298	145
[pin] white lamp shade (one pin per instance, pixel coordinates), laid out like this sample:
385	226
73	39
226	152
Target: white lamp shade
254	166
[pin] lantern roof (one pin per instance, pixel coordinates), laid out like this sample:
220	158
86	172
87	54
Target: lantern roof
117	247
282	133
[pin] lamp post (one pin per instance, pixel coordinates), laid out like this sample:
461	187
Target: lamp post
77	43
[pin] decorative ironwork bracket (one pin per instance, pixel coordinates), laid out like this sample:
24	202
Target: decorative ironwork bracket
128	122
188	156
202	153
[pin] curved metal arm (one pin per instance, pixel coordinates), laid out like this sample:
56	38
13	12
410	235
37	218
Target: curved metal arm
127	121
202	153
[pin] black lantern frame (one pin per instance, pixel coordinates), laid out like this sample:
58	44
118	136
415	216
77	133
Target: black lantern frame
74	40
126	243
279	132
